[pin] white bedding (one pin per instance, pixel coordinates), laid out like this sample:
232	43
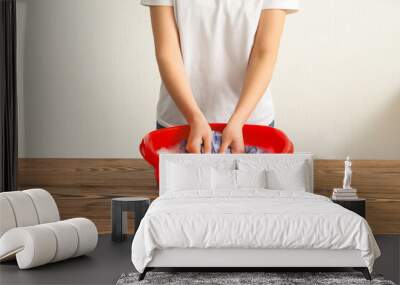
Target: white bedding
251	218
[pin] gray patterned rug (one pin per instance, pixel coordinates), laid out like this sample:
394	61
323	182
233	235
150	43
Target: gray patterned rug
269	278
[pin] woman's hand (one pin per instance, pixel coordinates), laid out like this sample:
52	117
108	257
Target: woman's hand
232	137
200	135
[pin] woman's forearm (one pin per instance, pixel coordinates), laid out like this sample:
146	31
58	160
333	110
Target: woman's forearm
170	63
258	77
174	78
261	64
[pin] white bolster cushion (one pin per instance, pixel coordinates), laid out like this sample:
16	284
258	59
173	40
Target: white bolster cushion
87	235
46	207
33	246
23	208
66	238
7	218
41	244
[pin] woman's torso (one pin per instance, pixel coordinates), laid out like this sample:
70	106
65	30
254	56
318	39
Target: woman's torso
216	39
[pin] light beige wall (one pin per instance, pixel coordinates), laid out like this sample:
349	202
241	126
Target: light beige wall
89	83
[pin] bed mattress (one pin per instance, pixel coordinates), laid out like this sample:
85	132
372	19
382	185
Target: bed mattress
250	219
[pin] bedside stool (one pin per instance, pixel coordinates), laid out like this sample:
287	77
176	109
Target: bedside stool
119	207
357	206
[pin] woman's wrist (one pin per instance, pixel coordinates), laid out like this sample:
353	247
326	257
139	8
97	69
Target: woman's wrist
236	121
195	117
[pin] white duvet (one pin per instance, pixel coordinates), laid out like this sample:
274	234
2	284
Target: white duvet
250	219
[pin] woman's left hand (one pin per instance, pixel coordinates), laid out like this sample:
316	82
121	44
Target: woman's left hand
232	137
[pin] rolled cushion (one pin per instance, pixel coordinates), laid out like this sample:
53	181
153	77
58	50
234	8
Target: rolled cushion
23	208
67	240
46	207
26	208
33	246
87	234
7	218
41	244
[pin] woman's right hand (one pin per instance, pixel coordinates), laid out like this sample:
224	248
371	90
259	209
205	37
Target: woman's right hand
200	135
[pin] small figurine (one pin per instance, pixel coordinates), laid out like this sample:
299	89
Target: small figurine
347	174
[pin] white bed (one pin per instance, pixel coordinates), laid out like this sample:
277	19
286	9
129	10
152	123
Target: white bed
247	211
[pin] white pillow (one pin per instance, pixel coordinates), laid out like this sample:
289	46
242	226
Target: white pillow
188	177
251	178
289	178
223	179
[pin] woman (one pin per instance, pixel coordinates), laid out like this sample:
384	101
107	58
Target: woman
216	59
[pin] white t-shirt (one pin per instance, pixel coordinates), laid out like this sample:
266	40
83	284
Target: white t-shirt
216	38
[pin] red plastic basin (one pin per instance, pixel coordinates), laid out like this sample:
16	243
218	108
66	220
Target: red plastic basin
269	139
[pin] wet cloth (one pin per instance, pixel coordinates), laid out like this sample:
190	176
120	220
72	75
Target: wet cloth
216	140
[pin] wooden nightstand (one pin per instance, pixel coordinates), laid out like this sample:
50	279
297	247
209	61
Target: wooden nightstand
357	206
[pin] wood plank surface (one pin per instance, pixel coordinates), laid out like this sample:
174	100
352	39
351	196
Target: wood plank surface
85	187
376	180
